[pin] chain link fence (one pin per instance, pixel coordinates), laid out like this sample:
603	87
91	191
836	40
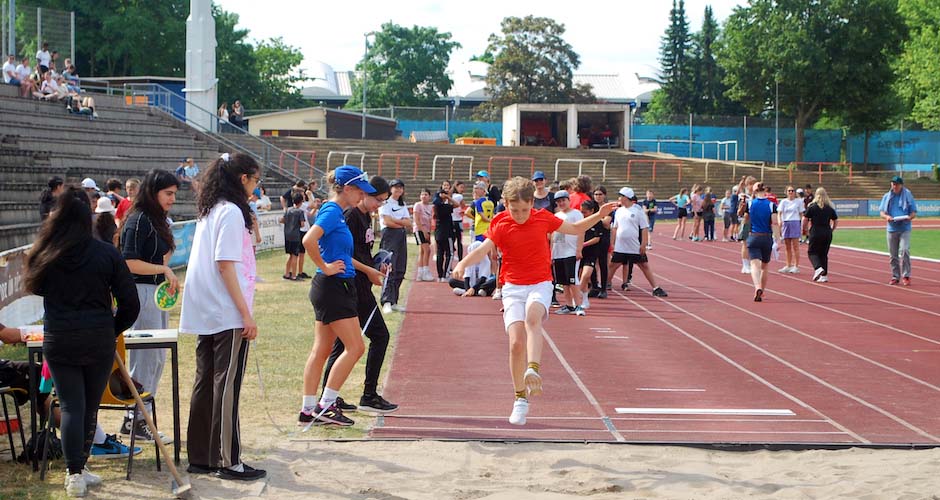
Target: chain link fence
34	25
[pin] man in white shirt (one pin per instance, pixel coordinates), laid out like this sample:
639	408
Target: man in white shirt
22	73
9	71
566	252
44	58
631	236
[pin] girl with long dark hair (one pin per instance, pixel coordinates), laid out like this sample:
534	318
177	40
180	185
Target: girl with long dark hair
444	229
218	306
396	224
54	187
77	276
147	245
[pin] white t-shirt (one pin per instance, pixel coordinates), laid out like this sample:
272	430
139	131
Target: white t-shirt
23	71
305	223
790	210
566	245
221	236
45	59
8	68
457	214
479	271
629	222
393	209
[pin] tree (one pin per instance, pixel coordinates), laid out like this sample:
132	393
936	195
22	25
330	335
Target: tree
678	76
830	55
405	67
276	66
233	55
532	64
709	87
919	67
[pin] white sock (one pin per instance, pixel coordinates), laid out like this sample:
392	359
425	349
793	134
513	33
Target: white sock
745	263
100	436
237	468
309	402
329	397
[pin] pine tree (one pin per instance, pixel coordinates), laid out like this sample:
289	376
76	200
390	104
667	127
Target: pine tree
677	74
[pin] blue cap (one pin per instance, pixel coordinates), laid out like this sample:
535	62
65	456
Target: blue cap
483	173
348	175
561	193
538	175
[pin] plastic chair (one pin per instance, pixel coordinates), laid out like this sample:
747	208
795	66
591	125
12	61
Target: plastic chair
111	401
11	393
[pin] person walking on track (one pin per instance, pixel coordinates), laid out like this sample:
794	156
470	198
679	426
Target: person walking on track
819	221
762	215
899	209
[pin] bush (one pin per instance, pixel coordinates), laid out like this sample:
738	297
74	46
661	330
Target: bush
936	172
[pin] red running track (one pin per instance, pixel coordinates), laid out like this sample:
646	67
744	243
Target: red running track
852	361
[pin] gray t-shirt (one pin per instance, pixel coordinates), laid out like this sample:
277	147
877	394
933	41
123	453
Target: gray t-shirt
293	219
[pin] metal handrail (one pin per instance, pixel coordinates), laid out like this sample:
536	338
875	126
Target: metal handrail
161	98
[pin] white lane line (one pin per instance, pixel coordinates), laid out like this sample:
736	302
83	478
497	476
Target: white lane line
664	389
577	380
754	412
735	364
790	365
631	431
883	254
763	420
479	417
492	429
610	337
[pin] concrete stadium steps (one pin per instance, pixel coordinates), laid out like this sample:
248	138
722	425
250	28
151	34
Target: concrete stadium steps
17	235
78	133
55	117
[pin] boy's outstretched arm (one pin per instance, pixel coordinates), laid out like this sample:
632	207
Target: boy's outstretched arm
588	222
473	257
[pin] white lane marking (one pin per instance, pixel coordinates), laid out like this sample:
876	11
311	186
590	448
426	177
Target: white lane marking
631	431
610	337
884	254
663	389
737	365
602	329
756	412
790	365
577	380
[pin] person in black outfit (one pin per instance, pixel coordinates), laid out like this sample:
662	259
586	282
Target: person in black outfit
599	290
444	231
77	276
54	187
359	221
819	221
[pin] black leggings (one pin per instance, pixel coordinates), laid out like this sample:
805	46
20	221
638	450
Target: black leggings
818	250
79	388
377	333
443	256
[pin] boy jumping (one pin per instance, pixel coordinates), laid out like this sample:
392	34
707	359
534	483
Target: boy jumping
521	233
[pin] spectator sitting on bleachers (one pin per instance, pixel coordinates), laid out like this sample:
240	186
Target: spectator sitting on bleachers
264	201
49	91
23	72
53	65
187	170
71	77
83	106
62	89
10	77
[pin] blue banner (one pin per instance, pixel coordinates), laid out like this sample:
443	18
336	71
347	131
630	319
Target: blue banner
851	208
183	233
925	208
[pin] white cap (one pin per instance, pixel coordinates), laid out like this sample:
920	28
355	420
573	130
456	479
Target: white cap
104	205
627	192
89	183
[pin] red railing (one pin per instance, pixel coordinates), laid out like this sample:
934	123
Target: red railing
295	153
398	157
820	169
489	164
654	163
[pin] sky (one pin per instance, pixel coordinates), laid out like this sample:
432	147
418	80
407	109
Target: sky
613	37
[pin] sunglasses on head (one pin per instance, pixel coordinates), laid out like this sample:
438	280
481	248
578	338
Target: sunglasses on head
361	177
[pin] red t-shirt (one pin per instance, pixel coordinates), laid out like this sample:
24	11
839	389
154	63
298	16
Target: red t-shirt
527	257
122	208
577	198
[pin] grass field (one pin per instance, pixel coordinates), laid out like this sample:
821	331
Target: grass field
924	242
285	323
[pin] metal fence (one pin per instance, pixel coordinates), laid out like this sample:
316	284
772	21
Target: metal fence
24	31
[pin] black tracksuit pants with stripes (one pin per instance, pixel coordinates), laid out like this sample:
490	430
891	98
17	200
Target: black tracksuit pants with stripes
214	438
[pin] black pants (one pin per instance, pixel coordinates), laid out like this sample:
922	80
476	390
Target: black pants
709	223
214	438
443	253
602	268
377	333
818	251
458	240
488	285
395	240
79	388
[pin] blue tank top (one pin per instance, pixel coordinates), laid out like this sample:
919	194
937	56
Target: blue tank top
761	211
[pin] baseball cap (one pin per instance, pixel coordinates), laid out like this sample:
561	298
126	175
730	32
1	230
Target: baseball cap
396	182
483	173
348	175
538	175
799	191
382	257
627	192
561	193
897	179
104	205
89	183
480	185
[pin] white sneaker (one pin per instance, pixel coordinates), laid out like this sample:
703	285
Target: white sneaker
459	291
649	246
398	308
585	302
90	478
794	270
818	273
533	382
745	269
498	294
482	293
784	269
75	483
823	279
520	408
387	308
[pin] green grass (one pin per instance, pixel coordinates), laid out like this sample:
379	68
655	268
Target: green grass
285	323
924	242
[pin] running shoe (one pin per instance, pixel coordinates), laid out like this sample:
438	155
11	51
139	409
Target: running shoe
332	415
398	308
459	291
387	308
610	286
659	292
533	382
602	294
745	269
90	478
288	277
906	281
376	403
248	473
520	408
593	292
625	286
894	281
498	294
482	293
200	469
111	448
818	273
75	485
759	295
585	302
794	270
565	309
823	279
784	269
579	311
343	405
649	246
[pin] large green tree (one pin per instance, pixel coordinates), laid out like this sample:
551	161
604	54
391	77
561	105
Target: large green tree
709	87
919	65
830	55
532	64
676	66
405	67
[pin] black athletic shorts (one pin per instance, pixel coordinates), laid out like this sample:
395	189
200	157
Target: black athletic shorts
565	269
588	260
682	213
292	247
628	258
302	249
422	238
333	298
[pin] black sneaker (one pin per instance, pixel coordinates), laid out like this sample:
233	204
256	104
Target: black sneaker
248	474
602	294
659	292
200	469
610	286
343	405
594	292
331	415
625	286
305	419
142	431
376	403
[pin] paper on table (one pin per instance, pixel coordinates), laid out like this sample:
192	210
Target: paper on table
899	218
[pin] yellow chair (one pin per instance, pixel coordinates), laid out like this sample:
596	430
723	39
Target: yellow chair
12	393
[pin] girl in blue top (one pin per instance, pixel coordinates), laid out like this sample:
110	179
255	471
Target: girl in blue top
682	201
762	214
329	243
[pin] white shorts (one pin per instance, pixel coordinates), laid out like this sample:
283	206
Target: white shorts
516	299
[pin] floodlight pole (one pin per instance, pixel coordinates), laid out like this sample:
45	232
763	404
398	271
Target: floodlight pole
776	123
365	56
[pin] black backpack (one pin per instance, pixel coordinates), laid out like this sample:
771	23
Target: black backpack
35	445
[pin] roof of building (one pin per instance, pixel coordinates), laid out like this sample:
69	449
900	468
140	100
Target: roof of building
328	110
